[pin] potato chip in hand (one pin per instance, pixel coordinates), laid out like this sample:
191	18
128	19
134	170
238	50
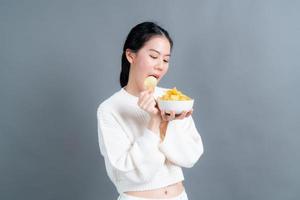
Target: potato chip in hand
150	83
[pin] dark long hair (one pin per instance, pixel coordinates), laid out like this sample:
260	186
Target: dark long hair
135	40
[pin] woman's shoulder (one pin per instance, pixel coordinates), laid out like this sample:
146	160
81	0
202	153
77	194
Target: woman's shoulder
109	103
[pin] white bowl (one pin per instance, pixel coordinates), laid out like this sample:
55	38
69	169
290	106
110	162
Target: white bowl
177	106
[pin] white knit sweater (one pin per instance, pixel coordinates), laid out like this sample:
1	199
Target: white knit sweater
135	157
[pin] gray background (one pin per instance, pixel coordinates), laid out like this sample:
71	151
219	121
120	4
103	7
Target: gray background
238	59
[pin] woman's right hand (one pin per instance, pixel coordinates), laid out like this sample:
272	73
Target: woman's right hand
147	102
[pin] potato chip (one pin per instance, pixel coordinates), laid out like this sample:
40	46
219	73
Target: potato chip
174	95
150	83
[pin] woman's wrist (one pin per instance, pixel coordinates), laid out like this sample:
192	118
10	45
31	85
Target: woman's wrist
163	129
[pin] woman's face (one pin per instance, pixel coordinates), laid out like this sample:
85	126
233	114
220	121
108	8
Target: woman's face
151	60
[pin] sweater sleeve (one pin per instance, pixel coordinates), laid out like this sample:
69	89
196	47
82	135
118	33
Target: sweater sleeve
182	144
136	161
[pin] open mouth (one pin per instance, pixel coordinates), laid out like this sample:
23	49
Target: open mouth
155	76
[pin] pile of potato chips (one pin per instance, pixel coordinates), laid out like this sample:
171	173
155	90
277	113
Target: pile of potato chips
174	95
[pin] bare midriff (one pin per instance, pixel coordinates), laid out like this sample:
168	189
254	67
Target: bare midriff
161	193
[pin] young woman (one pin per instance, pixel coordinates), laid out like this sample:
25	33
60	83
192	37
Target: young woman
145	148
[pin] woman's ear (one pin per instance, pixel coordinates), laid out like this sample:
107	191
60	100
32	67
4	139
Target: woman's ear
130	56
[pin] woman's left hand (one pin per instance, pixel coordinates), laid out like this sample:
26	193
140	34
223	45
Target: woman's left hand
169	116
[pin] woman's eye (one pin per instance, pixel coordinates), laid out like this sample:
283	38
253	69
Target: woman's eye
154	57
166	61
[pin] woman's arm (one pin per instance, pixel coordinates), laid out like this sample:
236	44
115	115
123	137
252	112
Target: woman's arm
182	143
136	161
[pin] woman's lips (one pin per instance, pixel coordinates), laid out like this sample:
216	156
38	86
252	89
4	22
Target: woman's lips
155	76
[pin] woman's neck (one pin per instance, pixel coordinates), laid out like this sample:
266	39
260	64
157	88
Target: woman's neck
132	88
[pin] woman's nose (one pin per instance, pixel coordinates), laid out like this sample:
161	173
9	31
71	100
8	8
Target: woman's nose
159	65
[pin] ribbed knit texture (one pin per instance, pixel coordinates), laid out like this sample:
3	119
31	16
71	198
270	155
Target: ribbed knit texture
135	157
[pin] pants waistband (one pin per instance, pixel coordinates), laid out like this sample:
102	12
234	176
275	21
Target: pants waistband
181	196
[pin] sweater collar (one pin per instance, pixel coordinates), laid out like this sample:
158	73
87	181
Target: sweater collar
129	96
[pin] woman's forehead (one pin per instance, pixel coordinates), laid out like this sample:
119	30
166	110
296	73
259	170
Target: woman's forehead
158	44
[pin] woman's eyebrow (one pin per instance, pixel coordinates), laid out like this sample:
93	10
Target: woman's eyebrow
158	52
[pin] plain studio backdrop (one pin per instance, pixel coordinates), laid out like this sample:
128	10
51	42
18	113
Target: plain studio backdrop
239	60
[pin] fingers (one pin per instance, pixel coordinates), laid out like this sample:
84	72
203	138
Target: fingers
173	115
147	102
170	115
182	115
163	115
150	106
143	95
189	113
